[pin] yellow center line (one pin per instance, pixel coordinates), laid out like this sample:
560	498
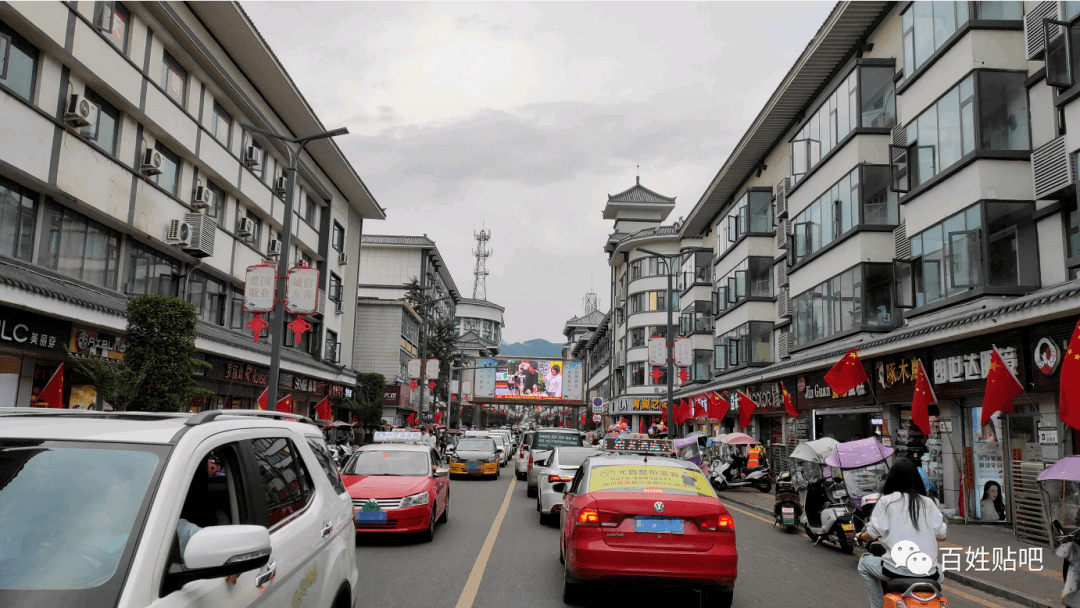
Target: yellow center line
472	584
951	589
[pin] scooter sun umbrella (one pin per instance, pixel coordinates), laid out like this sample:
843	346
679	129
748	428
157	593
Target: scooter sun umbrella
739	439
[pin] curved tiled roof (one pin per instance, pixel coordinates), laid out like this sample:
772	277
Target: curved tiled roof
646	232
640	194
391	239
50	284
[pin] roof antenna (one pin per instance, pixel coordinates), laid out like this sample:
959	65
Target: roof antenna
639	169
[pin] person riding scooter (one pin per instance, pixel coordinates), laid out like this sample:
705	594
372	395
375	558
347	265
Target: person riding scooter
909	526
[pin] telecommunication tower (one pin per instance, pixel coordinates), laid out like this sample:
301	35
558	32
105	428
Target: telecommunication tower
590	301
479	290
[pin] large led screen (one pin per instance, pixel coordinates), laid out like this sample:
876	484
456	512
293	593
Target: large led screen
527	378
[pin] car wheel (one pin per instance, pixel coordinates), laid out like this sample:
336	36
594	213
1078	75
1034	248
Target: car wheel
717	597
429	535
530	491
520	476
572	592
446	511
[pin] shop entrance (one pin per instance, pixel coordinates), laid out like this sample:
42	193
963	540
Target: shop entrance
1024	456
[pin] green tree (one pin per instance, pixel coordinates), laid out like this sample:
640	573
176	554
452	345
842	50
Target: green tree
367	404
413	294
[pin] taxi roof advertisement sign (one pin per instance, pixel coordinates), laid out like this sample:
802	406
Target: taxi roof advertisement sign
530	379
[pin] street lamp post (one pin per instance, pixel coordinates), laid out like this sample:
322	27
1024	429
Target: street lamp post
670	337
277	326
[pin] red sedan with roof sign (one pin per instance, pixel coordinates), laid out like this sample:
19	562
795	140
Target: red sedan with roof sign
646	518
397	485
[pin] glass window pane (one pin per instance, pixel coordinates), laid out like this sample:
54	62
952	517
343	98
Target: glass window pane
845	203
1000	10
842	110
967	127
961	12
964	260
1003	111
944	22
879	284
909	41
21	62
815	226
1004	260
949	128
828	207
835	291
847	302
857	290
924	31
878	97
928	139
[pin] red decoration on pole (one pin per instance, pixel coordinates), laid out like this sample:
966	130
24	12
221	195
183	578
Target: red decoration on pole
656	373
299	326
683	375
257	324
413	384
431	384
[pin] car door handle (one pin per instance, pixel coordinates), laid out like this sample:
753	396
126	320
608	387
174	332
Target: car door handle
328	527
264	579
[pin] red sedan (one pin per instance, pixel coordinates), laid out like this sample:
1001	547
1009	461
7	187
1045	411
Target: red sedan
646	520
397	488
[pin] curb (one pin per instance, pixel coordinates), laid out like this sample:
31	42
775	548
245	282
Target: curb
1020	599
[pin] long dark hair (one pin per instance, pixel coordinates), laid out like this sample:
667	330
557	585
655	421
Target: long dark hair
904	477
999	502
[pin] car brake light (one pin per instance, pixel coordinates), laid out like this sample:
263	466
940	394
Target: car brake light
588	516
530	462
557	479
726	523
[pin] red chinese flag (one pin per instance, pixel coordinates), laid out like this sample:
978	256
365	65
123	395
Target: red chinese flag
583	420
438	416
789	407
846	374
53	393
261	401
683	412
411	419
284	404
921	400
322	409
663	414
718	406
1069	401
746	409
1001	387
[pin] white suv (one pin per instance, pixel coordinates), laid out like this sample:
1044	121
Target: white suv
228	508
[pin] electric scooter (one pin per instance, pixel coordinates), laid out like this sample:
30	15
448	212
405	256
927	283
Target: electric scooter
787	509
903	591
730	471
827	514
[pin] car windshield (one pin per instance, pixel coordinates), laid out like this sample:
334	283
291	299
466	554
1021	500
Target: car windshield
476	445
575	458
68	512
648	478
389	462
549	441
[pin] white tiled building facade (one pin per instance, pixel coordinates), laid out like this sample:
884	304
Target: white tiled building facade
125	171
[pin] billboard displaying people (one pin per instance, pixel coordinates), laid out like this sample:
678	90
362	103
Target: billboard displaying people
529	378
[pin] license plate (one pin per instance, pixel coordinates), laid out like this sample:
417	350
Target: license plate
847	527
370	517
658	525
787	510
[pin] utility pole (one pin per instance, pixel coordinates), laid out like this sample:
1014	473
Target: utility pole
277	325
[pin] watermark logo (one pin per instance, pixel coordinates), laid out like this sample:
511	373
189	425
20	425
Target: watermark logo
998	559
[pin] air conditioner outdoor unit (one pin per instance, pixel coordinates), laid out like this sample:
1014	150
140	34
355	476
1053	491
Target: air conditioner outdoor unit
281	184
246	227
339	306
204	198
152	162
80	112
342	258
179	234
274	248
252	157
203	231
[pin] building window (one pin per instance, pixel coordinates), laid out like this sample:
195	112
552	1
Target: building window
749	343
697	318
637	337
696	270
751	278
79	247
18	216
151	273
308	210
702	369
18	63
117	35
860	197
651	301
104	124
637	374
218	204
173	78
256	226
338	238
991	104
403	364
169	178
927	25
987	244
1072	231
238	317
208	296
858	297
334	290
488	332
221	125
866	98
410	328
330	352
647	267
752	214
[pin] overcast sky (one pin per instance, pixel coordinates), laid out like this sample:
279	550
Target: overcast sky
525	116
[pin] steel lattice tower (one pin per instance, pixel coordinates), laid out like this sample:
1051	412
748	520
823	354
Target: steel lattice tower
479	290
590	301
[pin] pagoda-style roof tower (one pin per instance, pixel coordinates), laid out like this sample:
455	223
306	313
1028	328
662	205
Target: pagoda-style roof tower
637	208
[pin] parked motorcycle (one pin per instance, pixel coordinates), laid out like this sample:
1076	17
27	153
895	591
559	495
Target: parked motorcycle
787	509
863	466
730	470
691	448
827	512
1059	487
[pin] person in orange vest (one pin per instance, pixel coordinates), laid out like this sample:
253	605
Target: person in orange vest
756	455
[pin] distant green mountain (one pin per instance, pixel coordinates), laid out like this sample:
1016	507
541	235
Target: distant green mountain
530	348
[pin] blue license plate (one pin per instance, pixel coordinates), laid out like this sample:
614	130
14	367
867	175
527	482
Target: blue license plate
658	525
370	517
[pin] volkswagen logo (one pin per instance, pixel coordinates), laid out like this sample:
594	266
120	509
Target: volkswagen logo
658	506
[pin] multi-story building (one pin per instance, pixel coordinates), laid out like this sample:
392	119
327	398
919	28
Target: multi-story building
127	170
909	191
595	351
388	264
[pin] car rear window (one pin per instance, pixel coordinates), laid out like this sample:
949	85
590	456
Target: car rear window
550	441
645	478
575	458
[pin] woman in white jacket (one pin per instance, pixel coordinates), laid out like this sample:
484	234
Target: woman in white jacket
909	524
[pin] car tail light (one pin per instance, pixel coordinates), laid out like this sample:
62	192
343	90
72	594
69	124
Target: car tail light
726	523
530	462
588	517
557	479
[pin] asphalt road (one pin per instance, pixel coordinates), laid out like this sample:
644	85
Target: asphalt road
518	564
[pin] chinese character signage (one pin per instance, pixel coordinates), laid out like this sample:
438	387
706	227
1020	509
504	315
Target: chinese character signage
259	288
637	406
302	291
23	329
971	366
573	380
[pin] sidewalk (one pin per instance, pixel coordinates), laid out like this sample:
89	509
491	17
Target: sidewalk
1025	587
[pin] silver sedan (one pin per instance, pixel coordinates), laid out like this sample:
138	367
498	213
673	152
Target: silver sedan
557	474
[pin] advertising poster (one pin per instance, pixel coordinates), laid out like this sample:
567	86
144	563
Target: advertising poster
529	379
989	468
485	377
573	380
657	479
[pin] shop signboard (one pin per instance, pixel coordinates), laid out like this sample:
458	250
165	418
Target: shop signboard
391	395
814	393
958	369
234	371
92	342
26	329
573	380
766	395
1048	344
629	405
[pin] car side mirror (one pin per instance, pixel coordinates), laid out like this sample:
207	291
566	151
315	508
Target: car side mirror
560	488
220	551
442	472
